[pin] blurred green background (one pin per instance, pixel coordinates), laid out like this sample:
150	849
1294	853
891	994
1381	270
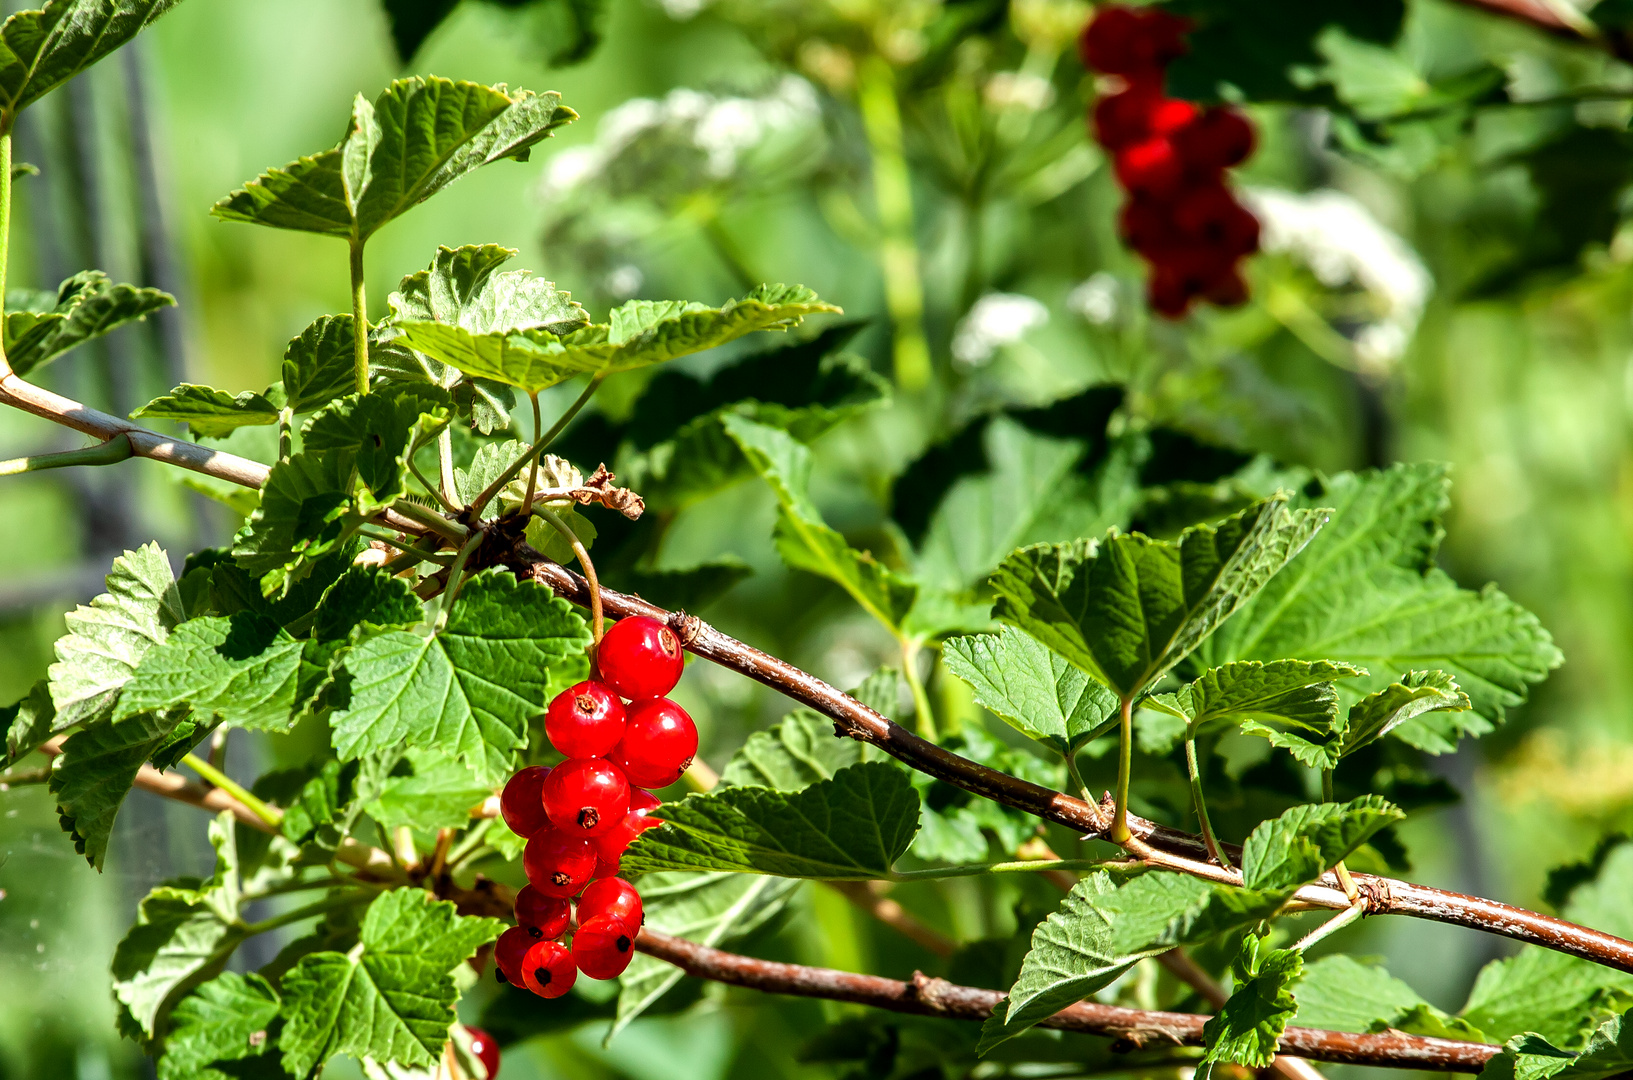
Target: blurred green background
1417	308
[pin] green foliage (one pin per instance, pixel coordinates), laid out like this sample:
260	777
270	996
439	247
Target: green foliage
211	412
792	755
307	512
416	138
1126	609
852	826
223	1020
86	306
1340	993
1248	1026
42	49
1307	841
469	686
29	722
390	999
242	670
1033	690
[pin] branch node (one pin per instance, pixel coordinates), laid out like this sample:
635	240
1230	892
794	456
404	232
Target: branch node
686	627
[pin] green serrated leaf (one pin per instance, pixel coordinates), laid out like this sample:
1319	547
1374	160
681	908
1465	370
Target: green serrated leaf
440	793
1249	1025
533	359
1295	692
243	670
377	432
795	753
853	826
1126	609
804	541
44	48
710	909
462	287
306	512
416	138
392	997
1340	993
471	687
1608	1053
211	412
1307	841
1072	956
1527	1057
1161	909
320	363
95	771
87	304
1033	690
107	638
224	1019
29	722
1418	693
1367	592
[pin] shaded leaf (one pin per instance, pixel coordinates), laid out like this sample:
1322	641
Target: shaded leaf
242	670
1608	1053
804	541
1340	993
1126	609
1248	1026
211	412
853	826
377	432
306	512
416	138
320	363
224	1019
469	688
95	771
1527	1057
795	753
439	793
30	722
87	304
1035	691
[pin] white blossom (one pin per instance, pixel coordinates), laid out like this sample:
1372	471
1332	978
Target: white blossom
1343	244
995	320
1095	300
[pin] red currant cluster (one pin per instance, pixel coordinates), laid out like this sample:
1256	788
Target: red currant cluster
580	816
1171	157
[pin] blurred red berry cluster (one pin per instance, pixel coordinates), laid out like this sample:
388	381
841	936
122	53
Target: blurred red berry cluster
1170	156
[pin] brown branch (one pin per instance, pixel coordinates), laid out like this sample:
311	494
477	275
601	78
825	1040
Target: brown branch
936	997
1156	844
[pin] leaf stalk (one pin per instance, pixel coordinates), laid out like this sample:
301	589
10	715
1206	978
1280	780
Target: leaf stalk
1216	852
1125	764
597	619
269	814
360	317
538	446
115	450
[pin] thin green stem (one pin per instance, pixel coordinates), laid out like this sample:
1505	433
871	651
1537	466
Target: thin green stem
921	700
1201	805
115	450
451	590
269	814
431	489
1125	764
539	446
286	433
24	776
469	843
432	520
1075	777
533	469
5	229
413	557
322	907
386	536
1019	866
597	622
1337	922
1342	871
449	493
360	317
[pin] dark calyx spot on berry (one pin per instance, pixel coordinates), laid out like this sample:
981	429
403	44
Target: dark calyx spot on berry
589	817
561	879
668	641
622	944
541	976
533	931
586	704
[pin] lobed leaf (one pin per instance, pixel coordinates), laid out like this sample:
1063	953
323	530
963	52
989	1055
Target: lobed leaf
210	412
242	670
795	753
1608	1053
1418	693
29	722
1126	609
392	997
803	540
1248	1026
306	513
853	826
44	48
320	363
1307	841
470	687
1159	910
87	304
224	1019
96	769
420	135
378	432
1035	691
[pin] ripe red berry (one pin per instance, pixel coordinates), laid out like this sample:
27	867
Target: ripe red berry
1150	167
659	743
603	947
1121	41
486	1051
586	796
585	721
640	658
544	917
557	864
1210	217
1167	291
615	897
509	950
1171	115
610	846
1218	139
1124	118
520	804
548	969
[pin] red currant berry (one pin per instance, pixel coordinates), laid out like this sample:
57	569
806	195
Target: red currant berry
1170	115
1124	118
1167	292
520	804
586	796
1211	217
610	846
1218	139
612	896
1150	167
548	969
509	950
585	721
640	658
557	864
486	1051
545	917
603	947
1121	41
659	743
